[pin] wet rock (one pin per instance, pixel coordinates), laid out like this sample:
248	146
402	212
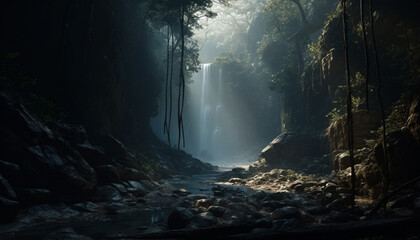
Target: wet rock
234	216
179	218
318	210
136	189
120	187
107	193
11	172
205	220
337	204
221	202
94	155
8	209
70	132
107	174
149	185
6	190
217	211
29	196
205	203
336	216
86	207
330	188
299	188
285	213
65	233
272	205
182	192
291	224
237	181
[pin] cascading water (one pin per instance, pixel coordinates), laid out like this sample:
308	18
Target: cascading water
210	114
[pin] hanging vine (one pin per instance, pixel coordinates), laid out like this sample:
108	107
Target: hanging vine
349	103
165	124
362	22
378	76
181	91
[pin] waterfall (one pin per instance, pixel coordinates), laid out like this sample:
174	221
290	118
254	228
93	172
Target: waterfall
211	108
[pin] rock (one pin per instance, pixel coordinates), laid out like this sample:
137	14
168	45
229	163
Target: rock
205	219
27	196
338	204
149	185
179	218
299	188
413	120
336	216
205	203
132	174
417	204
70	132
107	174
287	151
86	207
272	205
136	189
318	210
403	152
330	188
11	172
237	181
291	224
234	216
65	233
8	209
365	122
118	152
94	155
181	192
343	161
107	193
217	211
120	187
6	190
285	213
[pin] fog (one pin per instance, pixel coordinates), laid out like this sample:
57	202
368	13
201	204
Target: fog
228	119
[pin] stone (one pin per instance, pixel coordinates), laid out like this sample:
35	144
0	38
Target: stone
285	213
272	205
299	188
8	209
318	210
11	172
107	193
120	187
70	132
205	203
205	219
65	233
86	207
217	211
336	216
330	188
136	189
94	155
30	196
237	181
181	192
288	150
180	218
107	174
6	190
343	161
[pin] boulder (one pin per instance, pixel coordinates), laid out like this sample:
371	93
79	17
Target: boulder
136	188
6	190
107	193
285	213
180	218
73	133
132	174
365	121
8	209
403	152
287	151
11	172
94	155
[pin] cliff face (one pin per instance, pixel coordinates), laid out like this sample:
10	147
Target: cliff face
93	58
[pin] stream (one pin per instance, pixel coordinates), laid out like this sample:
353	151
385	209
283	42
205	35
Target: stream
131	222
